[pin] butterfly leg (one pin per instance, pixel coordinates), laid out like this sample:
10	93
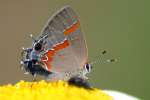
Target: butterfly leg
35	69
34	77
38	69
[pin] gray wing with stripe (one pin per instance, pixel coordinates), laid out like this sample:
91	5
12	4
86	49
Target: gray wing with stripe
65	25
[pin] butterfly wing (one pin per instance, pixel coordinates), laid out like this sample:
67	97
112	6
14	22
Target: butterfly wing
65	43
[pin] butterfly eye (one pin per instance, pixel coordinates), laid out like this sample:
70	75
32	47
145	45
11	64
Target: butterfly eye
88	67
38	46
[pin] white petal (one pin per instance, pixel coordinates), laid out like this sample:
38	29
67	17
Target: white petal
119	95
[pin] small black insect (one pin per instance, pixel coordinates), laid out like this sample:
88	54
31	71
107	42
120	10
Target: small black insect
80	82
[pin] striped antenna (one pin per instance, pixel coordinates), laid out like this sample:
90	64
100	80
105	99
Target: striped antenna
99	58
33	39
23	48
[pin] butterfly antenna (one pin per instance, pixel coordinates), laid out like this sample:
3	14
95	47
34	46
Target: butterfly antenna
99	59
33	39
111	60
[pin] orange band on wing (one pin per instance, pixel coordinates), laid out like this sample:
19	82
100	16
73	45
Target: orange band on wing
50	54
72	28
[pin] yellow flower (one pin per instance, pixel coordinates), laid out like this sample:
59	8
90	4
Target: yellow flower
43	90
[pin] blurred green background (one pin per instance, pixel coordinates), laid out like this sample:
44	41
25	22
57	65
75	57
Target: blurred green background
119	26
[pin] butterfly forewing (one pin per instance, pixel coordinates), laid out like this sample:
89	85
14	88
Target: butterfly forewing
65	43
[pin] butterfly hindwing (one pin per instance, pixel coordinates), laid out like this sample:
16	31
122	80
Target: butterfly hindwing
65	43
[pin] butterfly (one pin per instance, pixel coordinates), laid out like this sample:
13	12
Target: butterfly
60	51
